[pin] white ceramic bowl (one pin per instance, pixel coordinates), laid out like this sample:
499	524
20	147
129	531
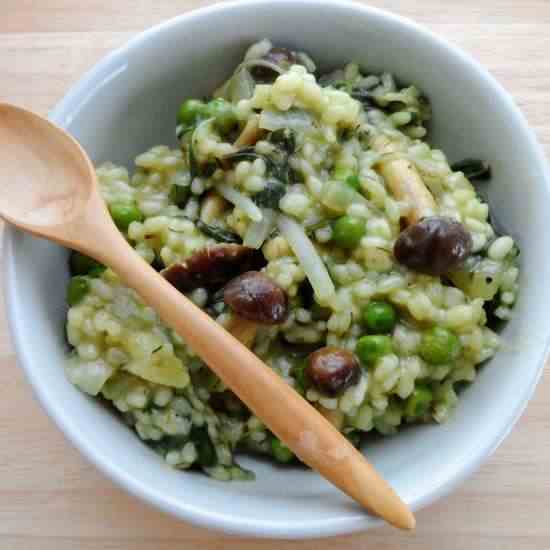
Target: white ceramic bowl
127	104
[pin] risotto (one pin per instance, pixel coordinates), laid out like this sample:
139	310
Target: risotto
309	217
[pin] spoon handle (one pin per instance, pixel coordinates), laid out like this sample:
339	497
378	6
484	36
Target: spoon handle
299	425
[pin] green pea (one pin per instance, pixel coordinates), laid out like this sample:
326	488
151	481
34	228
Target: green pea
371	347
280	451
347	232
77	289
191	111
179	194
353	181
206	453
379	317
439	346
81	264
418	403
223	113
124	214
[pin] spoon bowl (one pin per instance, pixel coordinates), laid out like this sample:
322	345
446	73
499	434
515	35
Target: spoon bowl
61	191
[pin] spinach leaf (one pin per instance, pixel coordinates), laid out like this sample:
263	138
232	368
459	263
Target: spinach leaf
179	194
218	234
247	153
277	168
270	196
473	169
205	448
366	97
285	139
168	443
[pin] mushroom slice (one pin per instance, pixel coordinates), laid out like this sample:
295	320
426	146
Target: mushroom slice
405	182
242	329
251	132
213	266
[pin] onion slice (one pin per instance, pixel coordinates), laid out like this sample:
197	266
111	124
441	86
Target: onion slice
308	257
246	204
257	232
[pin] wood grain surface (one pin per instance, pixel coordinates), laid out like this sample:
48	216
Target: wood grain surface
51	498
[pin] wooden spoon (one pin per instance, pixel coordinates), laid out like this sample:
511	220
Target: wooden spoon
49	189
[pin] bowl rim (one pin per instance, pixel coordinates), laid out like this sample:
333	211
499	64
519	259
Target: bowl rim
182	509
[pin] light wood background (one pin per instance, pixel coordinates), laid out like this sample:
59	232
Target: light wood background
52	499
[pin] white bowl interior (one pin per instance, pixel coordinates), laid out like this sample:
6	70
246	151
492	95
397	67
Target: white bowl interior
128	103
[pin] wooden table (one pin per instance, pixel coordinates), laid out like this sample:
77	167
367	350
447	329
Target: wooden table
51	498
